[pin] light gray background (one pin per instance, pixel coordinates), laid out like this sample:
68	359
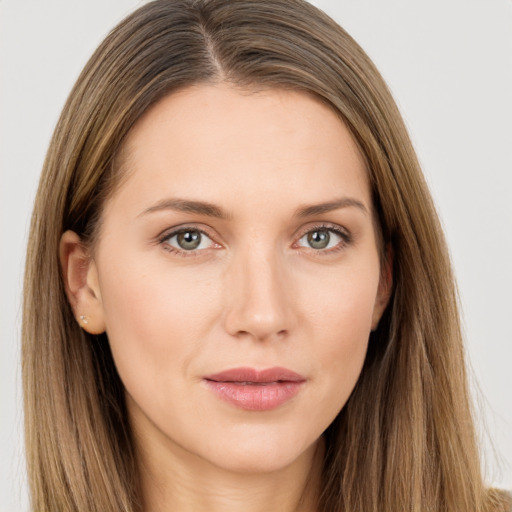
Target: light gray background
449	65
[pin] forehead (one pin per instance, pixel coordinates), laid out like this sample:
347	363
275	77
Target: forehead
223	143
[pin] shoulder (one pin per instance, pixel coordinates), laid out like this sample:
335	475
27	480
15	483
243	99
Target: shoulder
499	501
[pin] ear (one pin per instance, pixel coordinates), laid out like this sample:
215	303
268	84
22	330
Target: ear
385	287
81	282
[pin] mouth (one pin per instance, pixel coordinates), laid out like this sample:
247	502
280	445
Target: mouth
255	390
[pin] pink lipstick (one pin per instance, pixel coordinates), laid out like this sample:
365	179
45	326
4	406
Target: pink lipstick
255	390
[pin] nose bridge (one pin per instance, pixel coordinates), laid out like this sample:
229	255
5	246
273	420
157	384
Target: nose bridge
259	304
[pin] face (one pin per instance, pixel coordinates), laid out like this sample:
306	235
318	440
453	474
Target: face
237	275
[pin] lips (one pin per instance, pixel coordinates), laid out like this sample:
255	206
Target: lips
255	390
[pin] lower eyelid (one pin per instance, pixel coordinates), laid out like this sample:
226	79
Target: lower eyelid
180	252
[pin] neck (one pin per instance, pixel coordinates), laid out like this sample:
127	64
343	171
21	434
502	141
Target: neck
176	480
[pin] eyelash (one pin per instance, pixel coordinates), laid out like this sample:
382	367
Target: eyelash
164	241
346	239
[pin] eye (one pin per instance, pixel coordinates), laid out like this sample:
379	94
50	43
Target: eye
188	240
323	238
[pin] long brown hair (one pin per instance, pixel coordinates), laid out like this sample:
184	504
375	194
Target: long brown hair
405	439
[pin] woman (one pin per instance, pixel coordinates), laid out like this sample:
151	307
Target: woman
251	300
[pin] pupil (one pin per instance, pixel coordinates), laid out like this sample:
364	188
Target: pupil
319	239
189	240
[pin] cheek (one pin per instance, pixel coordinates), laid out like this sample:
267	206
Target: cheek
340	317
340	302
156	317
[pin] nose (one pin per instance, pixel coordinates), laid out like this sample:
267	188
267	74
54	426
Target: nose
259	297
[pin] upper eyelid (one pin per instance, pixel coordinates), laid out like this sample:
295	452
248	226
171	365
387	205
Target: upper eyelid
170	232
329	226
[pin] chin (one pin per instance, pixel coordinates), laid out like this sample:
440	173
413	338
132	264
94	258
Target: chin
266	453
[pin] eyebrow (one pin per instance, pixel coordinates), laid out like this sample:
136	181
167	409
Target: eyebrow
212	210
188	206
318	209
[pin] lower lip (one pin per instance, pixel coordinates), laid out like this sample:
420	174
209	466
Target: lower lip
255	397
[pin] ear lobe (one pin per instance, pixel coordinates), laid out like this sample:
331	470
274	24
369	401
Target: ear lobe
385	287
81	282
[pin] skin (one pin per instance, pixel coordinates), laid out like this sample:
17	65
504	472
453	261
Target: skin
254	293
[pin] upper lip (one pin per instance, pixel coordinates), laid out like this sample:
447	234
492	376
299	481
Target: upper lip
246	374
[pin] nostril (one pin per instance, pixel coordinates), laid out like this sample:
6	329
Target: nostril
258	304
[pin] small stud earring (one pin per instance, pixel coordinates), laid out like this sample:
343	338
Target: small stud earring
84	319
